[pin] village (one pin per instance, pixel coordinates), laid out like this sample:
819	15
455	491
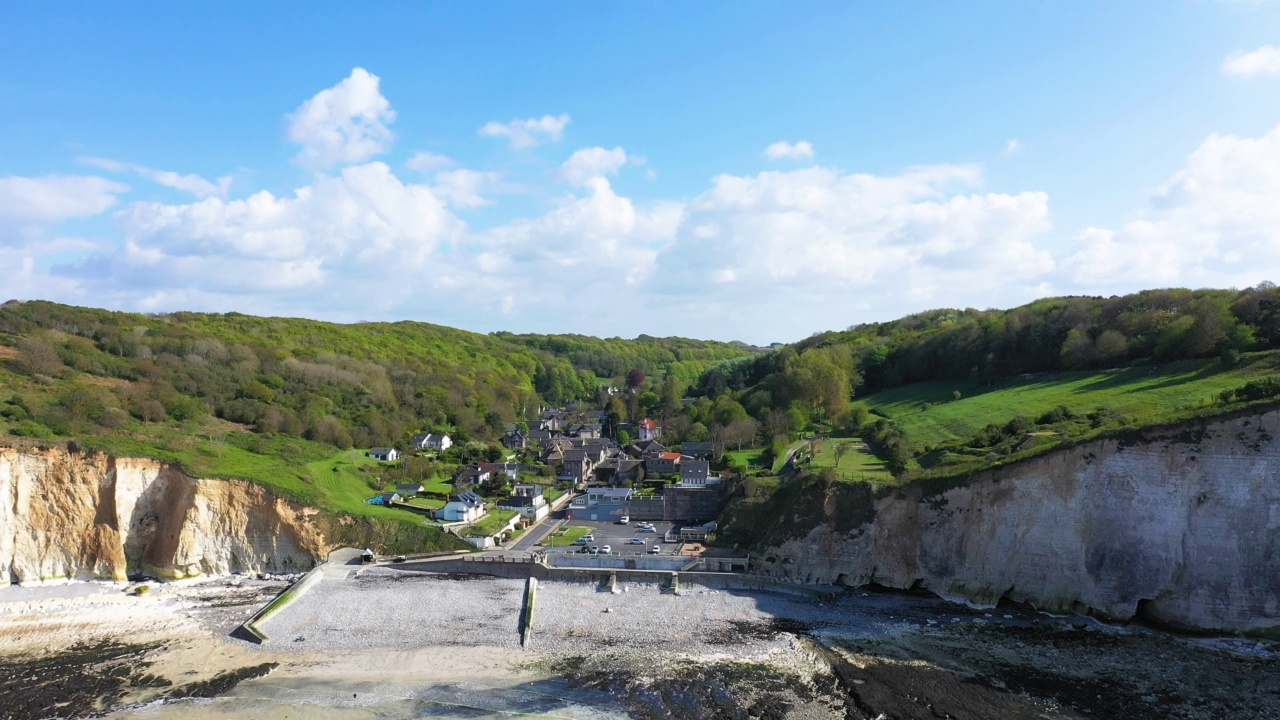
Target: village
562	465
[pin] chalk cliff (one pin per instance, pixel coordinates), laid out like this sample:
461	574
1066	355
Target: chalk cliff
66	513
1177	525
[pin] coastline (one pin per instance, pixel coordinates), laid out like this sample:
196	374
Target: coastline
379	642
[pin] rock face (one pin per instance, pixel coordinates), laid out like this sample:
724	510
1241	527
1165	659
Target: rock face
1177	525
88	515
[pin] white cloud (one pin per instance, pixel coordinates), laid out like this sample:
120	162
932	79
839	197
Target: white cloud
590	163
793	151
1263	61
426	162
1214	223
52	198
344	124
527	133
1012	146
362	226
461	188
193	184
781	243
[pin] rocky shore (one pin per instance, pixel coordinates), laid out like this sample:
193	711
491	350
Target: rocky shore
380	642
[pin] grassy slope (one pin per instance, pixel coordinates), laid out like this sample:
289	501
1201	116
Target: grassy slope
1142	395
857	463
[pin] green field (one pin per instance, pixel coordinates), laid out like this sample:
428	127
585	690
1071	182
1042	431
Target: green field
857	462
1140	396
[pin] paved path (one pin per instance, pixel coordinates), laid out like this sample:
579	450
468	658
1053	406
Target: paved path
536	533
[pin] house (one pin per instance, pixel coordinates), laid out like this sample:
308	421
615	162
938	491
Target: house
527	500
409	489
431	441
694	473
539	437
646	449
585	430
649	430
476	474
575	467
384	454
618	470
463	507
515	440
512	470
667	463
700	450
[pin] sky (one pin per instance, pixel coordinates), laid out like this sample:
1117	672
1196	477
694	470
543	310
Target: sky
722	170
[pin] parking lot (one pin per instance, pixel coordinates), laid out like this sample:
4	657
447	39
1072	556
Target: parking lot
618	537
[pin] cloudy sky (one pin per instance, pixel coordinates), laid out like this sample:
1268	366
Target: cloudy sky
729	170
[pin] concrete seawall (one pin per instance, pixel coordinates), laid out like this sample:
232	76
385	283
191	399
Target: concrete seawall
714	580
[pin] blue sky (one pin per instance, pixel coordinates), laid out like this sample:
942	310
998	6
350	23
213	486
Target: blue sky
724	170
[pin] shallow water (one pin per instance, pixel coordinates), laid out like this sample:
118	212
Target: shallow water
272	699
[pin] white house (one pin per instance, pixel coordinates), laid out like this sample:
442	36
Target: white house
384	454
464	507
649	430
431	441
528	501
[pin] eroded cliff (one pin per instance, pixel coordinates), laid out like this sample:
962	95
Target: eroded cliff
1178	525
67	513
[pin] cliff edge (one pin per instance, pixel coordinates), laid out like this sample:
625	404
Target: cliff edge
72	514
1176	525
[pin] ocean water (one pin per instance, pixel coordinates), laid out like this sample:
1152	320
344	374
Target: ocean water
268	699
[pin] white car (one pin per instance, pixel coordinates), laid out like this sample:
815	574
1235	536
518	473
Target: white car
655	550
647	528
595	549
624	520
636	541
605	550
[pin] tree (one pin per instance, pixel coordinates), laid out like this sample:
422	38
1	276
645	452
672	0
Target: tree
39	357
635	378
841	449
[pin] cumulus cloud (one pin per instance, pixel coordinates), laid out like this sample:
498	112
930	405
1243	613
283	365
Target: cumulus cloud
590	163
782	248
1214	223
362	225
790	151
346	123
1263	61
529	132
190	183
52	198
426	162
462	188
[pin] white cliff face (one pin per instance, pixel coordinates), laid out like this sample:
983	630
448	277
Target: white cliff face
1182	527
88	515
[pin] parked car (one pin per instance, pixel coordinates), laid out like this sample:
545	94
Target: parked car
647	528
398	558
636	541
587	538
624	519
595	549
605	550
582	540
655	549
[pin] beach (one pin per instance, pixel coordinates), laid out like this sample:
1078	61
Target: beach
385	642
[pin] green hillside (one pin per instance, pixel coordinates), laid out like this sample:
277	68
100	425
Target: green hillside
290	403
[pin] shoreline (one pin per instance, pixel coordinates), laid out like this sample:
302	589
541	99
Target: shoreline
414	644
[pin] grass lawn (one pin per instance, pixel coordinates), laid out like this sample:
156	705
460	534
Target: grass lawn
566	535
1143	395
493	522
551	494
857	463
438	486
425	503
749	458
